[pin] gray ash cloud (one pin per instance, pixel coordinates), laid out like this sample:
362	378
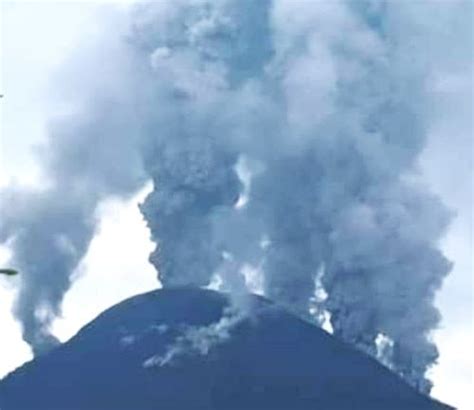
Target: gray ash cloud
326	105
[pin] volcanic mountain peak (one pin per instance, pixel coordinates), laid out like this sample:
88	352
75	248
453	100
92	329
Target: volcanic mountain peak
185	348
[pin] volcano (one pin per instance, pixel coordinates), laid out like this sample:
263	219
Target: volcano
270	359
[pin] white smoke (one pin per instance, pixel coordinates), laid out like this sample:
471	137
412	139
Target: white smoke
198	340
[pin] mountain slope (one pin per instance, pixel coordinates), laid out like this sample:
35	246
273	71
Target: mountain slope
272	360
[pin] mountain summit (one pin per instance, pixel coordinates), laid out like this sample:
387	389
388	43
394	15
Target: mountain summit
184	349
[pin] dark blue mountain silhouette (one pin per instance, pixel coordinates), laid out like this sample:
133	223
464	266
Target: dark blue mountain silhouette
272	361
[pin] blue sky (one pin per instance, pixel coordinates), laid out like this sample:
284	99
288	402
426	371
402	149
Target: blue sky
37	37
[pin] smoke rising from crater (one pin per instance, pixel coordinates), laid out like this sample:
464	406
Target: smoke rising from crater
328	101
282	136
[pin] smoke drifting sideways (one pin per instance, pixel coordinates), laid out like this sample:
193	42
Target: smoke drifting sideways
282	138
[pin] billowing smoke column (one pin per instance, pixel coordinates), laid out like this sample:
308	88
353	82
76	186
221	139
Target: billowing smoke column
282	138
327	101
90	155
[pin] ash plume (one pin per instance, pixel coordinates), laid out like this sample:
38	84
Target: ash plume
90	155
328	100
283	136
